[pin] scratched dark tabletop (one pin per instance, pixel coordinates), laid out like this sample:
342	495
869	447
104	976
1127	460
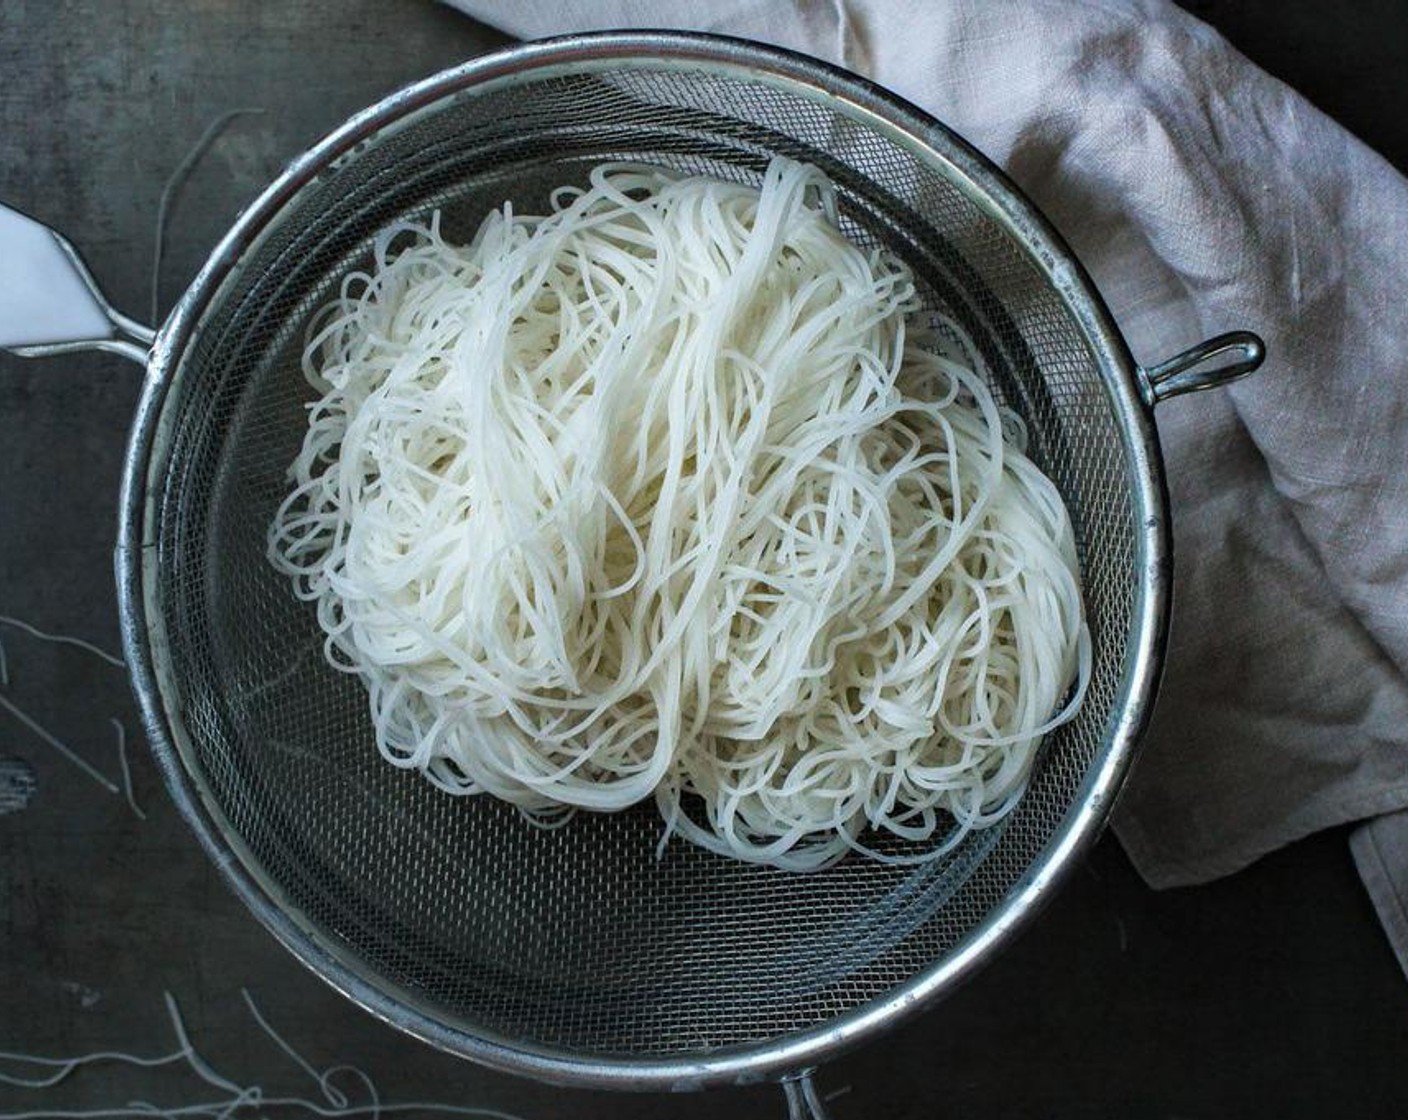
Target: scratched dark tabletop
1271	993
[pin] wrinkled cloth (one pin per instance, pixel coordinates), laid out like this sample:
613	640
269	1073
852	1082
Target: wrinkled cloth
1203	195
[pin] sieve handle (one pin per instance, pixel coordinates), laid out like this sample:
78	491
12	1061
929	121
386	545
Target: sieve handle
1199	367
49	301
803	1101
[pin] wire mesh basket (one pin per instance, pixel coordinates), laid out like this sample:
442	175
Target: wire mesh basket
578	954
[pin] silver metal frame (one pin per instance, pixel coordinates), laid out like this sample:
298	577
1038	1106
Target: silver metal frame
1132	391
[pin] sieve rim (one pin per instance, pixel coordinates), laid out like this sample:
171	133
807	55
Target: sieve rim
936	145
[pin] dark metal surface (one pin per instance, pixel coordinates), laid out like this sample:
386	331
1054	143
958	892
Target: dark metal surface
1272	991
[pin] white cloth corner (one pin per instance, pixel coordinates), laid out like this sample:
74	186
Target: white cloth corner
1203	195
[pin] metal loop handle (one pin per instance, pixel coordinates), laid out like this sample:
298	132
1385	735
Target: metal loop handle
803	1101
49	301
1188	373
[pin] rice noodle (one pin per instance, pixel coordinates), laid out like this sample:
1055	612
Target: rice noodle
361	1097
665	495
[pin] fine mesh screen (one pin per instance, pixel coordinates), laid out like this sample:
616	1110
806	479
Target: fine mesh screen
579	939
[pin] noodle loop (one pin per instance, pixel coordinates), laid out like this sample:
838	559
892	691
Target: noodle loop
663	495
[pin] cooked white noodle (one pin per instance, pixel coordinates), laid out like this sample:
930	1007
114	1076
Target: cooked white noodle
661	495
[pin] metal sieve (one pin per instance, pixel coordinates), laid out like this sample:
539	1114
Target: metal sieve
577	955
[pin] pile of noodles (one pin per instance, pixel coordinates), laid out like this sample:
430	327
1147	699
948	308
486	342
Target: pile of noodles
661	496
